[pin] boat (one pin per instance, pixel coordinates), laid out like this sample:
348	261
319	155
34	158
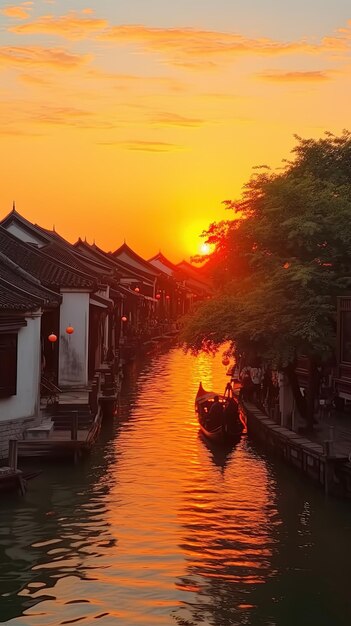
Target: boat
223	433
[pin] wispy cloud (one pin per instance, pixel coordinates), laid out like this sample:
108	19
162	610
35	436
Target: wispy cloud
191	47
191	43
143	146
74	25
68	116
185	47
312	76
18	12
33	56
33	79
136	80
173	119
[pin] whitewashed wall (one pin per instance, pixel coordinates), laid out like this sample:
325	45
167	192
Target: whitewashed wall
26	401
73	349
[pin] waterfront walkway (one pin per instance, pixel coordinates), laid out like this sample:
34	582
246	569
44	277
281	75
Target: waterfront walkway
336	427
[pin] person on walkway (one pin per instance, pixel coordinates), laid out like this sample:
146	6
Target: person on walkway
256	377
247	384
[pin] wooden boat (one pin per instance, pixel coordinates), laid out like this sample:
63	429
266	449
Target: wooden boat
224	433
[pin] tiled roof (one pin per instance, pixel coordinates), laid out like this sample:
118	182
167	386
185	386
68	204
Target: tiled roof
10	299
52	273
22	283
124	249
55	246
124	270
65	253
162	259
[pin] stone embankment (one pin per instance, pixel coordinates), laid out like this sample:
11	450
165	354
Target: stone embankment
318	462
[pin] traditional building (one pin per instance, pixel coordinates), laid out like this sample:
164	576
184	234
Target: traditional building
79	290
23	303
174	297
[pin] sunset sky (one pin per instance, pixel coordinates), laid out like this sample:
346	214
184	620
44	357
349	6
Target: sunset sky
137	119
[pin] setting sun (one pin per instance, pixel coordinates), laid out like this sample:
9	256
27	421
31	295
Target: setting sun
205	248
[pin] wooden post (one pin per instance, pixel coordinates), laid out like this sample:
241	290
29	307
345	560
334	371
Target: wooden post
13	454
74	426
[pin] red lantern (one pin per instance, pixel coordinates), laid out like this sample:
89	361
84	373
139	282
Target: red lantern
225	360
52	338
137	289
69	330
158	296
124	319
168	297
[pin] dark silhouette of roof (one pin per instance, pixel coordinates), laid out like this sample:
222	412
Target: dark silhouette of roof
122	268
51	272
138	259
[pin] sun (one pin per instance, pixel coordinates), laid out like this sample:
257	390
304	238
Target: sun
204	248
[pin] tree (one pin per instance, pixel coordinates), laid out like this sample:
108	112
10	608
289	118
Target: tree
281	263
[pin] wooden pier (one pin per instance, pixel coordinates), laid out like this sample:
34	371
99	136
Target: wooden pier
69	429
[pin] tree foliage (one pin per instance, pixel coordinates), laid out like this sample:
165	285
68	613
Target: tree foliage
282	260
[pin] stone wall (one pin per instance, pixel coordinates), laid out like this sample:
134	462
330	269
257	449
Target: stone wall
13	429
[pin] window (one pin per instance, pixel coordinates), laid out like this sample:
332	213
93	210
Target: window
8	364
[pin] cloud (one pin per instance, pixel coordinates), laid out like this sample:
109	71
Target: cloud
18	12
8	132
143	146
312	76
32	79
67	116
136	80
191	43
193	48
173	119
74	25
36	56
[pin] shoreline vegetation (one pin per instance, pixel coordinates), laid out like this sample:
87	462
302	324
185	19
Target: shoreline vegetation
280	265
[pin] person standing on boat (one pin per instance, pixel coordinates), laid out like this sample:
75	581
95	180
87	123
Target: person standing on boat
215	414
231	415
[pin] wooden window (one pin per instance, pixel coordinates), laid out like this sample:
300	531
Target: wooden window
8	364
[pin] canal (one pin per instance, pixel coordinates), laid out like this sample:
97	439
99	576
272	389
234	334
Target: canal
156	528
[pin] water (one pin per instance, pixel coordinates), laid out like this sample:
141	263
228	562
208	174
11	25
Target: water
158	528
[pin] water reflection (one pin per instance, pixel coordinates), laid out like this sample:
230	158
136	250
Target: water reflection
228	538
53	532
160	528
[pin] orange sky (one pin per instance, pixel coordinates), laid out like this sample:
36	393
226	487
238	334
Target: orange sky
137	121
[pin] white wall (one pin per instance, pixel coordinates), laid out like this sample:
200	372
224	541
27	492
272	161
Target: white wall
27	399
73	349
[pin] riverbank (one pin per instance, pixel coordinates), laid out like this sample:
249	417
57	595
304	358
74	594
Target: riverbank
320	463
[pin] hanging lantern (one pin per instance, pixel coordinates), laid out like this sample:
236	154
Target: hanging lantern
158	296
225	361
69	330
52	338
136	289
168	297
124	319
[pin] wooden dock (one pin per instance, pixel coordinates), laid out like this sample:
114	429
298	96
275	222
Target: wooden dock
68	430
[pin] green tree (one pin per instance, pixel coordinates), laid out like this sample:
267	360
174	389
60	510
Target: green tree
281	262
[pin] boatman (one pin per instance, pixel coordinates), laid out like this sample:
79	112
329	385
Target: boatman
215	414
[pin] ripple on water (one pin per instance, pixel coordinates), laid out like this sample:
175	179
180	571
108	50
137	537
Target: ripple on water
157	527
